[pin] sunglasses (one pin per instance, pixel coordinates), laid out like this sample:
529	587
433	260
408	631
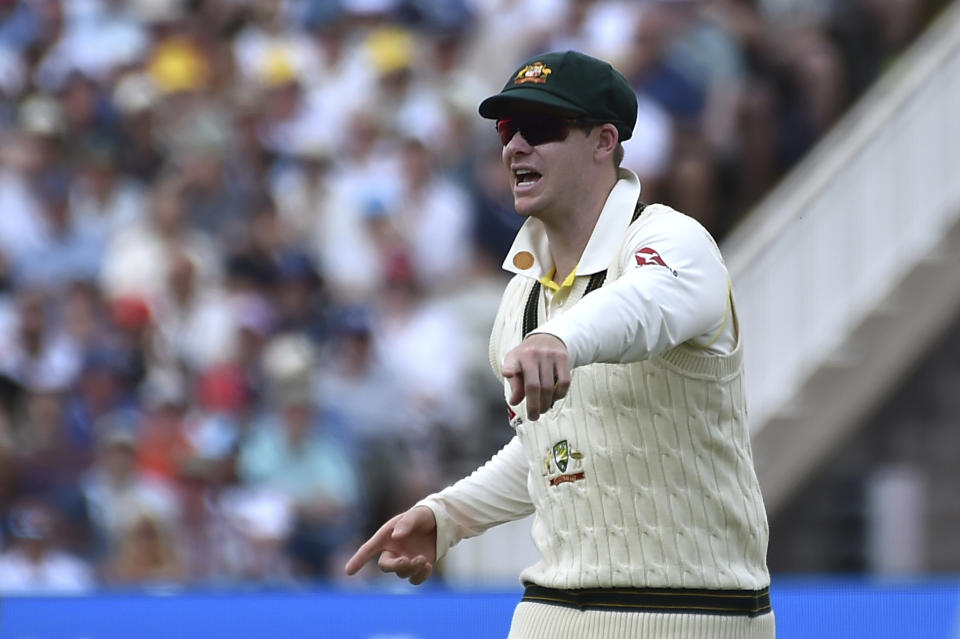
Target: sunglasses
538	129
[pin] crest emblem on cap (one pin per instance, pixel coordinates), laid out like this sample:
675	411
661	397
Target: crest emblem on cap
536	73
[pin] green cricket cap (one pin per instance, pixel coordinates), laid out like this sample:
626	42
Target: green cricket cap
568	81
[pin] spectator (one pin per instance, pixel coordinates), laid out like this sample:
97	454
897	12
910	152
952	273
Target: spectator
358	384
194	317
230	533
422	345
118	494
163	447
65	251
300	298
136	255
83	314
103	200
135	99
131	331
293	453
217	425
31	151
35	563
49	455
366	179
494	220
432	216
38	355
102	395
145	554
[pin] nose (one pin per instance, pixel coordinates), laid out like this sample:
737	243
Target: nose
516	146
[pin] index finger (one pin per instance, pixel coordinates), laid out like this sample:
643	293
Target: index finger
532	386
373	546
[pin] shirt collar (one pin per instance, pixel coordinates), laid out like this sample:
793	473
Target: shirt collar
530	253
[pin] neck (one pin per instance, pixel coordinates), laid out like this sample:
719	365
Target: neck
568	243
568	233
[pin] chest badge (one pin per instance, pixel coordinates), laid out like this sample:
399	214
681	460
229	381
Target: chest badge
558	460
561	455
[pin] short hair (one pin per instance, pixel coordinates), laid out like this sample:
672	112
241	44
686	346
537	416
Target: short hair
618	152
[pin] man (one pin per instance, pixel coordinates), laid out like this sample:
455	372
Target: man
619	345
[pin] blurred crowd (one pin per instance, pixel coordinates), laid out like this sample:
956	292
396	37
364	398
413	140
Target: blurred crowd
249	249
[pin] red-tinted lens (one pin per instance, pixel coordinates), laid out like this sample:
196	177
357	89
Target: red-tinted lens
535	130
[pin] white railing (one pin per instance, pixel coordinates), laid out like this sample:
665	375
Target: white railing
822	250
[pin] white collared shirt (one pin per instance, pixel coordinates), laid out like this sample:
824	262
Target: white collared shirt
673	286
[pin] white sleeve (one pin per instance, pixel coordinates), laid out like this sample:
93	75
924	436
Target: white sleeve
674	288
493	494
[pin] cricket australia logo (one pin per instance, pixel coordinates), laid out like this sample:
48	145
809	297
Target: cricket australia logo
559	460
536	73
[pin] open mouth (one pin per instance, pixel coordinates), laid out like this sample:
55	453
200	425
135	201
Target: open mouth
525	177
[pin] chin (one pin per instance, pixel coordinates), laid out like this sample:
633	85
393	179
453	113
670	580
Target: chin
525	207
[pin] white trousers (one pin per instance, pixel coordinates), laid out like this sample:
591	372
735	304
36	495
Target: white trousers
543	621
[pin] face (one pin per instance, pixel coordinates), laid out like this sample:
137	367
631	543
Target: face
546	157
298	419
119	462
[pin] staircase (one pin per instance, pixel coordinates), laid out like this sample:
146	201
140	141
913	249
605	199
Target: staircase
850	269
871	360
846	518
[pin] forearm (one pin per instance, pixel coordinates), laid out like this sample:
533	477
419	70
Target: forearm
651	307
493	494
626	322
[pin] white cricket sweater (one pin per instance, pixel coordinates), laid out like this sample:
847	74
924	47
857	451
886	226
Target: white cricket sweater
643	474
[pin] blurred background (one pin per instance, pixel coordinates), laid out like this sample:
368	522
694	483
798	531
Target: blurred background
250	250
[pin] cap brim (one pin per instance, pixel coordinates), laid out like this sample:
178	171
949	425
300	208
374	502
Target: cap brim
521	99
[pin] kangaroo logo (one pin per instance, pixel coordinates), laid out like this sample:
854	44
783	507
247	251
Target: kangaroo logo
647	256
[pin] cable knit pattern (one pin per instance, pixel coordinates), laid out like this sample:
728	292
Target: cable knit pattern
668	495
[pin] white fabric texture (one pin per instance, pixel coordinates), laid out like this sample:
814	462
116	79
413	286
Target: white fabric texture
643	474
540	621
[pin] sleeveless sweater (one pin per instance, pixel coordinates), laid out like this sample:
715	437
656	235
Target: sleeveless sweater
643	474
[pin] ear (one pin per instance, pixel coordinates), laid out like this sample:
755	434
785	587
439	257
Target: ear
607	139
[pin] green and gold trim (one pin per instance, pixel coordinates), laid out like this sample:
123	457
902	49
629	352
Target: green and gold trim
741	603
